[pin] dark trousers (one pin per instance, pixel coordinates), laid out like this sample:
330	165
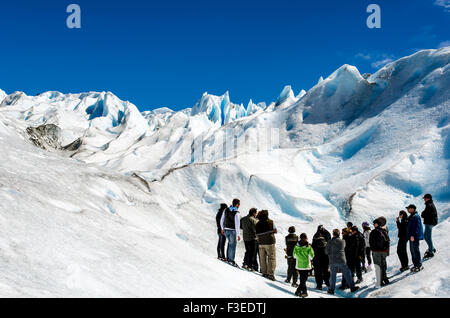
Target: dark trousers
303	278
250	257
221	246
402	253
415	253
292	271
354	265
321	273
368	256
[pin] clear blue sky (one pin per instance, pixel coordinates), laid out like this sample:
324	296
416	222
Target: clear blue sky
167	53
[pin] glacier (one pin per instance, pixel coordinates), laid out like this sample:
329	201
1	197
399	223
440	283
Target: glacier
99	199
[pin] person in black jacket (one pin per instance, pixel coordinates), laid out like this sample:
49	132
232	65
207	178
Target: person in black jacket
320	261
222	238
291	241
430	219
402	226
357	246
379	244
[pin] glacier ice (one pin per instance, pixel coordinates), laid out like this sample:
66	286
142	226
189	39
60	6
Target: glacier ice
351	148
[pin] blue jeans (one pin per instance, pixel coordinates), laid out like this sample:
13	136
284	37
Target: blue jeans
346	274
231	249
415	253
428	238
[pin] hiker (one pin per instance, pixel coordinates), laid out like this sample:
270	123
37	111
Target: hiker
415	235
320	261
248	226
346	237
336	254
303	253
265	233
222	238
291	242
368	252
321	230
430	219
379	244
356	253
230	225
402	226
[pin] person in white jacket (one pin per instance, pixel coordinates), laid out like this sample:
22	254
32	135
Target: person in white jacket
366	233
230	225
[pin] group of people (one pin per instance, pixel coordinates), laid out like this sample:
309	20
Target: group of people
343	251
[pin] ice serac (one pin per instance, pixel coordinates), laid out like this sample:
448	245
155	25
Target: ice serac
219	109
253	108
2	96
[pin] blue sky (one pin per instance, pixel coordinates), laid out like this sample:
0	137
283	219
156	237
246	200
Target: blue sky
167	53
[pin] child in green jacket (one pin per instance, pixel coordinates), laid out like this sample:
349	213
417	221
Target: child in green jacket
303	253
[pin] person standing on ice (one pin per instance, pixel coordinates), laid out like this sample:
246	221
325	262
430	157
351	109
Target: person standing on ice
402	226
368	252
320	260
415	235
230	225
357	249
265	233
303	254
222	238
248	226
335	250
291	242
379	244
430	219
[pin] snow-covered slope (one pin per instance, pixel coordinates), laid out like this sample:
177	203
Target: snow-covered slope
137	192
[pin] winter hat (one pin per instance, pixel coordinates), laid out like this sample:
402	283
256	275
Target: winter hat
365	224
381	221
428	196
292	229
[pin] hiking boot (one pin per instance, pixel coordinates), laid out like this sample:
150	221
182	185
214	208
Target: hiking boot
330	291
403	269
319	287
304	295
287	281
354	289
428	255
359	281
297	293
416	269
271	277
295	285
364	270
342	287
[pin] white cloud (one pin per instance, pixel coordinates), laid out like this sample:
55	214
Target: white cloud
444	44
443	3
381	63
363	56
